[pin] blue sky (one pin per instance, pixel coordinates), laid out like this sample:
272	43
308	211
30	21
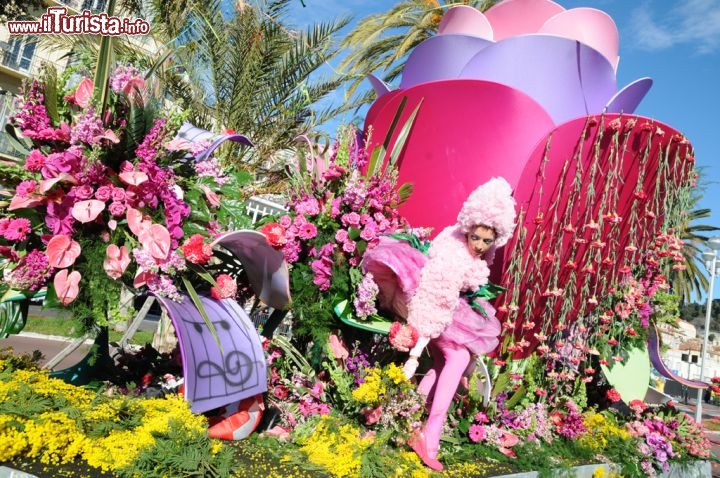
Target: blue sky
677	44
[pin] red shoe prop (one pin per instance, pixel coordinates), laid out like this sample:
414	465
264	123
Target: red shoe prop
417	443
238	420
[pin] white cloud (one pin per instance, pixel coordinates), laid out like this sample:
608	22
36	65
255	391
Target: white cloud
694	23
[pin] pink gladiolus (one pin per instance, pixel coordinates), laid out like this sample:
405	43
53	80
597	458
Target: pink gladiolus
67	286
118	259
87	211
62	251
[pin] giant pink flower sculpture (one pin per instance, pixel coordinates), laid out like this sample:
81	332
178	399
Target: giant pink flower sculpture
528	91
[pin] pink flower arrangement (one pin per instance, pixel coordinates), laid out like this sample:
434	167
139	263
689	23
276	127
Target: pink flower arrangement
97	207
336	211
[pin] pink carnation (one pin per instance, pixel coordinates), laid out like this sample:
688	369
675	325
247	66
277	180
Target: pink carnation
403	337
226	287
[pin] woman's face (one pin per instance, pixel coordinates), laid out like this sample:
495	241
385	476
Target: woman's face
480	239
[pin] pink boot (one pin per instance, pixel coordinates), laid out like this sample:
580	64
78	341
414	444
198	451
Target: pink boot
417	443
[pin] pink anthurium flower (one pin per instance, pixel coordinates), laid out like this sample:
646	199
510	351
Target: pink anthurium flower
142	278
211	196
178	144
82	94
67	286
18	202
109	135
137	222
62	251
47	184
118	259
156	240
133	178
87	211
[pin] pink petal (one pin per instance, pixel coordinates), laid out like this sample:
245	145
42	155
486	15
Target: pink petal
109	135
210	195
156	240
87	211
83	93
47	184
178	144
118	259
142	278
133	178
62	251
112	224
67	286
137	222
24	202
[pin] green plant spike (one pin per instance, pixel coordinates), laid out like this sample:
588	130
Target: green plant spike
102	69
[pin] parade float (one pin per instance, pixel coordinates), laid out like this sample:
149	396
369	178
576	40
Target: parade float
526	91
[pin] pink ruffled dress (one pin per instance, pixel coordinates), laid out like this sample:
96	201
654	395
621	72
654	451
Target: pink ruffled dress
425	289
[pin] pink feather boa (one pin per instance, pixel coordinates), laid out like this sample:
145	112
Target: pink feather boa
450	269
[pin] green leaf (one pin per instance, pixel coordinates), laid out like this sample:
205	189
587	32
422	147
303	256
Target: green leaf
353	233
402	137
102	69
51	93
203	313
405	191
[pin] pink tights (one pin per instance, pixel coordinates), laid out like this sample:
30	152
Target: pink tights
440	384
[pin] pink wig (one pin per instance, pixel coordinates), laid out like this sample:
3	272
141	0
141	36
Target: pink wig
491	205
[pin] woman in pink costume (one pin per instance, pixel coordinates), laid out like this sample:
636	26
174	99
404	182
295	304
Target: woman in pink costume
428	291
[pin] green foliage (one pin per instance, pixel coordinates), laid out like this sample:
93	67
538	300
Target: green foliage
178	454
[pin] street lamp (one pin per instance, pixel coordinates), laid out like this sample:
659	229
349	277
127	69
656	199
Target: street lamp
712	263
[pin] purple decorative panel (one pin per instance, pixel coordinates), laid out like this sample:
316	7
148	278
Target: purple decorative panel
215	377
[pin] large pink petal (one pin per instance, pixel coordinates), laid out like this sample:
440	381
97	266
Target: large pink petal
156	240
83	93
137	222
62	251
134	178
87	211
18	202
67	286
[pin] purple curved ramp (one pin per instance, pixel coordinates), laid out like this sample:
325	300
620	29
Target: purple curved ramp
378	85
215	377
627	99
567	78
441	57
657	362
265	267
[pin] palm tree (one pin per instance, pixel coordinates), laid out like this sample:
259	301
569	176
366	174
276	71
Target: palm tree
238	66
379	43
692	281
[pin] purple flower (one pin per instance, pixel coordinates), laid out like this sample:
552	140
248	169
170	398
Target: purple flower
364	301
32	272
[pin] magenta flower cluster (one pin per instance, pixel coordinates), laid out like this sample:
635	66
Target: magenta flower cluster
89	187
338	213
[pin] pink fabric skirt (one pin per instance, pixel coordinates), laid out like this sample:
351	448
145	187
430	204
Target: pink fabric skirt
396	267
